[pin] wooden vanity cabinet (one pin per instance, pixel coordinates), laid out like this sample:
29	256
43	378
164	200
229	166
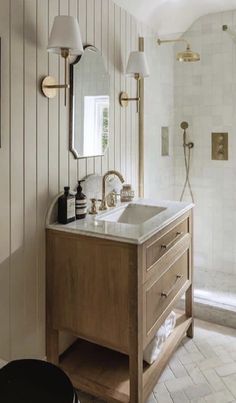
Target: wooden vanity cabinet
113	296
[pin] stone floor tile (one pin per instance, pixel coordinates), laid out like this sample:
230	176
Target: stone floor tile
220	397
227	369
175	385
214	380
224	355
195	373
210	363
191	357
177	368
179	397
230	382
189	345
166	375
161	394
206	350
198	391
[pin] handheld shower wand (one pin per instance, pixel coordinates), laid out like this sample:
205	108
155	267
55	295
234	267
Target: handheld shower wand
184	126
187	160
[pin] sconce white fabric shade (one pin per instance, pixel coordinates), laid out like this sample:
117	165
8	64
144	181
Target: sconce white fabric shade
65	34
137	64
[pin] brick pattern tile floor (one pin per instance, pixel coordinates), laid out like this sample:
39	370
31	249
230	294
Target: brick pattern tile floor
201	370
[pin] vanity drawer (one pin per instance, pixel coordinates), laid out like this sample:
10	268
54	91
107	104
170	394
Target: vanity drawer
160	293
164	247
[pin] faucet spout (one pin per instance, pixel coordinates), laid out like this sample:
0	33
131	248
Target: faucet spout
103	205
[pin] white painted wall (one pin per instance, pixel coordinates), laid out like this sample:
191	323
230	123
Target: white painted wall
205	96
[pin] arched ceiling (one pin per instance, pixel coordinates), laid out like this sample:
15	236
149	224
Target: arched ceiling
168	17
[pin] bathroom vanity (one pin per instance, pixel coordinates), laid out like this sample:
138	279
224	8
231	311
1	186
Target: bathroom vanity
111	282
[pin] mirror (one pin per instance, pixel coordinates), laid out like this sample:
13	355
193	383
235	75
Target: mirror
89	105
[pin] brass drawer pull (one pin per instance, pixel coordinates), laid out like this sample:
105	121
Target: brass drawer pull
177	236
166	294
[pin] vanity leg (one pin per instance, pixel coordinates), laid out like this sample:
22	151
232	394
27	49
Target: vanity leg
135	332
52	345
189	310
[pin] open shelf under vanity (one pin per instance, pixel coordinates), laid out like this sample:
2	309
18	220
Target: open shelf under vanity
105	373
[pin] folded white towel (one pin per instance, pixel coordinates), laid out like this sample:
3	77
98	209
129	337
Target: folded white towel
153	349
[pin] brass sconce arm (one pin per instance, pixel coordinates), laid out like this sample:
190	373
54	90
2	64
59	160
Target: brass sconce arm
124	98
49	84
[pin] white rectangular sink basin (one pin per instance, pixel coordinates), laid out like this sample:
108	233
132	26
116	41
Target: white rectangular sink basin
134	214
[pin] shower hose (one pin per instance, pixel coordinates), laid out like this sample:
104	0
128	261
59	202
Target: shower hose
187	160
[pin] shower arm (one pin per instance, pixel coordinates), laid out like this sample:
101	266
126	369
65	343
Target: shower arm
159	41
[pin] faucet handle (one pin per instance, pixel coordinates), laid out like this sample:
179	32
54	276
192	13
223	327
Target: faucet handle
93	209
112	199
103	205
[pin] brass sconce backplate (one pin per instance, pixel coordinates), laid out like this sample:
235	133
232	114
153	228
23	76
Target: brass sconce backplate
47	88
124	99
219	143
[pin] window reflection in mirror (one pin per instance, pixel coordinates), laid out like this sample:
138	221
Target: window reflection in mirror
89	107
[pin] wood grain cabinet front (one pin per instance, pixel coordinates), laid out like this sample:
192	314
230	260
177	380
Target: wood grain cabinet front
160	295
113	296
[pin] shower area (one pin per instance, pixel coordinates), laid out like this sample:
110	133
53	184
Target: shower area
203	96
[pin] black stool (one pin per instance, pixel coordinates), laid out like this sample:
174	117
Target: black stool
35	381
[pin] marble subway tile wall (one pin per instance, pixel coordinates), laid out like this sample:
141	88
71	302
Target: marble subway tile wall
158	111
205	96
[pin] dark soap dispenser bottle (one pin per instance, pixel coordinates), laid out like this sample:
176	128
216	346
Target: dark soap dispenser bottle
80	203
66	207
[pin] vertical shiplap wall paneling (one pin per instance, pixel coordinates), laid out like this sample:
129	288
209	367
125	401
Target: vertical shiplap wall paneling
34	156
82	10
117	145
128	117
53	106
98	44
17	285
111	44
123	133
90	16
63	116
105	52
42	127
30	176
134	114
72	161
5	186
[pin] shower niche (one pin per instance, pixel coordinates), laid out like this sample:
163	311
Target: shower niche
165	141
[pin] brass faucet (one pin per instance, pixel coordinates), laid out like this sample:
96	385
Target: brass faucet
103	205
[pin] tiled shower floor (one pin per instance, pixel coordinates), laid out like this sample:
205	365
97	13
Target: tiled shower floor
202	369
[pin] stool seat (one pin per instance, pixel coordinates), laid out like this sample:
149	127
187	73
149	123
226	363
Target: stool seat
35	381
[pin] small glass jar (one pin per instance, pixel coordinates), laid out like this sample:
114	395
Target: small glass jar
126	193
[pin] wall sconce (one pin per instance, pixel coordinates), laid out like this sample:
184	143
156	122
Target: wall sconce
137	68
65	40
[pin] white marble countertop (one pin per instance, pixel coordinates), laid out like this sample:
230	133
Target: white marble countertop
136	234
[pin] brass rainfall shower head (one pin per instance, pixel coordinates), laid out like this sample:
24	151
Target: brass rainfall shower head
186	56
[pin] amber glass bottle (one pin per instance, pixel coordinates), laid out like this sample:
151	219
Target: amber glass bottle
66	207
80	202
